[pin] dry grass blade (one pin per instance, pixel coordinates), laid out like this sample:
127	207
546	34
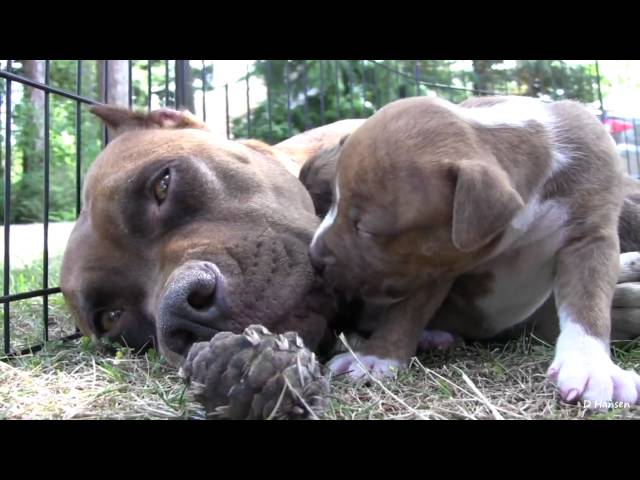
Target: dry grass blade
73	381
279	402
378	382
301	398
480	395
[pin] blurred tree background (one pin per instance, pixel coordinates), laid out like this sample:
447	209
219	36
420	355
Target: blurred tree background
308	93
300	94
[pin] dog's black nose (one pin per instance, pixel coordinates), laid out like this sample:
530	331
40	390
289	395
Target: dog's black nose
192	308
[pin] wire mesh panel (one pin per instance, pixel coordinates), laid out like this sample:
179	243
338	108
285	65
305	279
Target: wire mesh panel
42	183
269	100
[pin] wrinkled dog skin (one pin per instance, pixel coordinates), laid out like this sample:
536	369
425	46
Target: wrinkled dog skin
469	218
183	234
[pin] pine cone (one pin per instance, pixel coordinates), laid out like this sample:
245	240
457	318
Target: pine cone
256	375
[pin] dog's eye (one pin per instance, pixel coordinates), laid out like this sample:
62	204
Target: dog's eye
161	187
107	319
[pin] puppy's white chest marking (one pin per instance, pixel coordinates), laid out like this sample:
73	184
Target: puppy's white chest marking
523	264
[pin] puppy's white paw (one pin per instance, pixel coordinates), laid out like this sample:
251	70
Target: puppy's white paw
379	368
588	374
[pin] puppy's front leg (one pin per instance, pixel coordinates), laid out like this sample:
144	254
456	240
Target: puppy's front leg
582	368
395	339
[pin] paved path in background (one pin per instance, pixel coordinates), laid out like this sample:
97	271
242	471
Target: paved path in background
26	242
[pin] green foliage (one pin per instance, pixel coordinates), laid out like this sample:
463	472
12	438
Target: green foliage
308	93
27	186
303	94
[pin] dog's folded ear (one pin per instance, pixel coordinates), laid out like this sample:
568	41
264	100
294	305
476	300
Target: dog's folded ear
484	204
119	119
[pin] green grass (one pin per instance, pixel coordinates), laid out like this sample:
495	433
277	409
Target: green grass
27	316
81	380
78	379
29	277
476	381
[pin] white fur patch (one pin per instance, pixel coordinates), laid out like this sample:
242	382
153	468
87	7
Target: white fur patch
515	113
537	222
328	219
560	160
582	369
523	264
378	368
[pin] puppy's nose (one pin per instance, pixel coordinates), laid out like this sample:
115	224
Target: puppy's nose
192	309
317	262
319	257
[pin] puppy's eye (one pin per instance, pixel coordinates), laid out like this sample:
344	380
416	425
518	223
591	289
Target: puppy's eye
106	320
361	232
161	187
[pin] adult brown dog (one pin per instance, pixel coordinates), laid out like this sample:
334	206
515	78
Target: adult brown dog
183	234
467	218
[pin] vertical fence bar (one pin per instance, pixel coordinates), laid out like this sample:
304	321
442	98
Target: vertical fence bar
79	137
396	81
149	83
552	78
248	104
130	83
288	86
388	85
599	88
179	81
305	83
321	64
364	86
416	73
450	81
269	118
375	87
350	78
591	82
627	153
106	96
45	215
166	83
337	65
7	214
204	91
226	107
213	87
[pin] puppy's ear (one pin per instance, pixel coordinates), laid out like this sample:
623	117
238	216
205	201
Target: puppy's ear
120	119
484	204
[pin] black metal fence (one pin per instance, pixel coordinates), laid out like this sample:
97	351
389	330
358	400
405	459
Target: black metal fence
299	95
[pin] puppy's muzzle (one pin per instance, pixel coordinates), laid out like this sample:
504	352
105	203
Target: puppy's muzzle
192	308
